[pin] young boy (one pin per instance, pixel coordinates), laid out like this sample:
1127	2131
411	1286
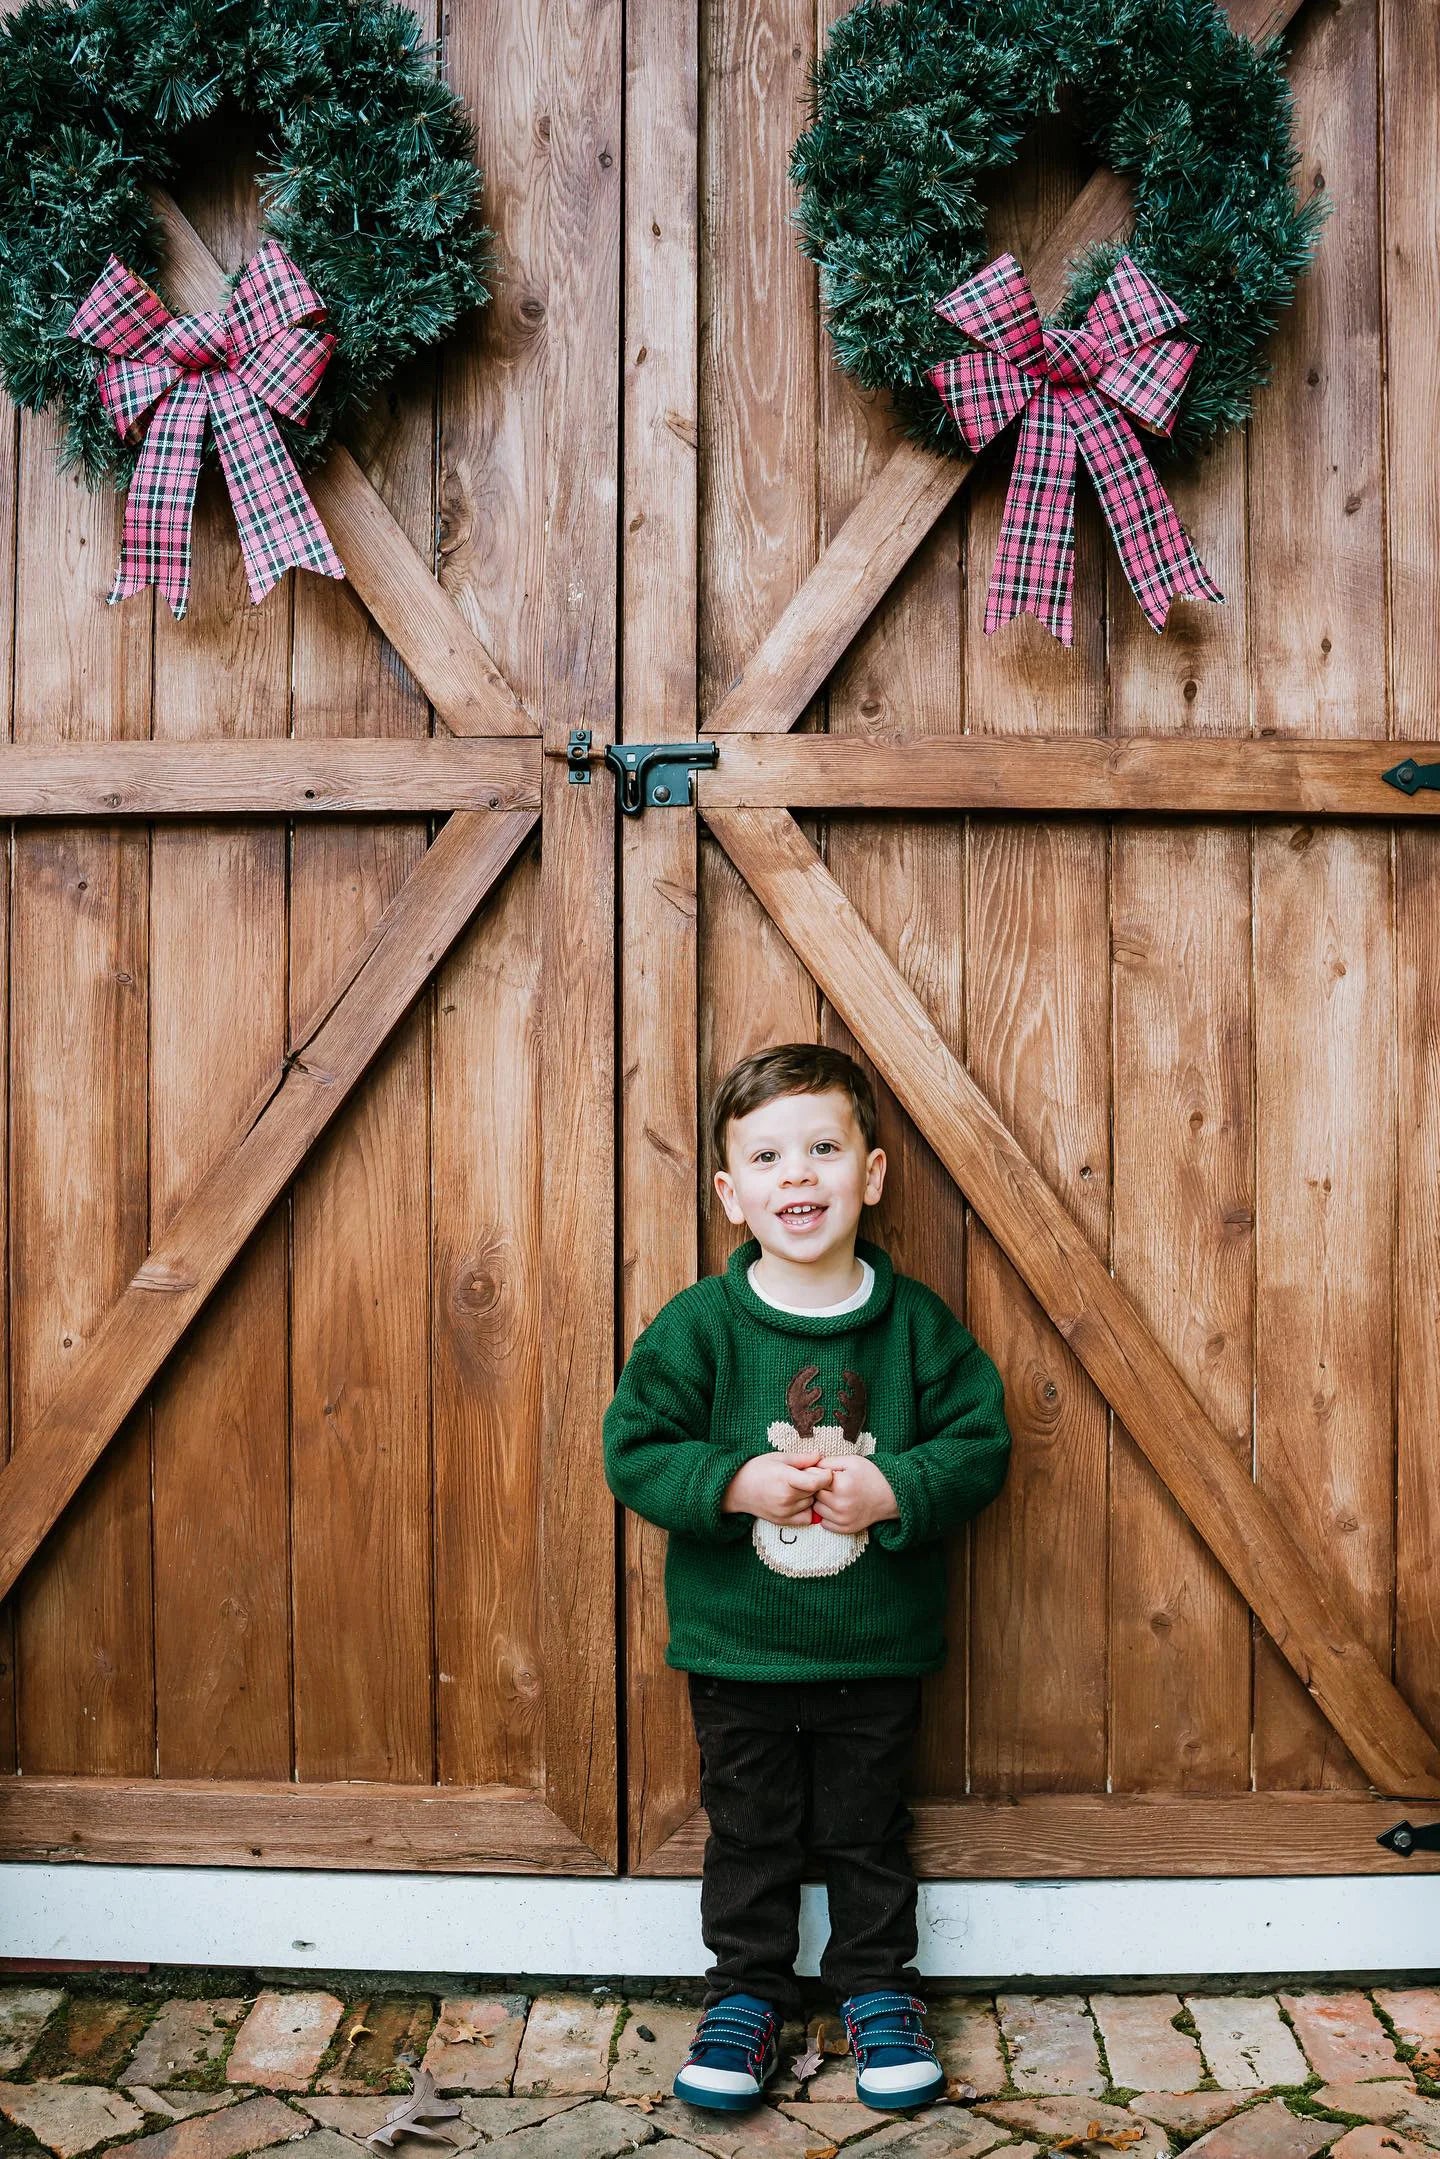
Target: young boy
808	1427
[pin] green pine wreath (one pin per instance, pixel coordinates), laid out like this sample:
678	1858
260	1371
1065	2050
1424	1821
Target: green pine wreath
368	182
914	102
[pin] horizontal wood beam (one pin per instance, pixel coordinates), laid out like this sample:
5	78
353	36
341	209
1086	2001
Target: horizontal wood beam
201	1239
1072	1283
495	1829
906	499
443	1829
422	621
319	776
1081	1836
1174	775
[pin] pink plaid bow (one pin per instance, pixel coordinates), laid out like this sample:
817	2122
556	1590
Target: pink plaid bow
1074	387
235	366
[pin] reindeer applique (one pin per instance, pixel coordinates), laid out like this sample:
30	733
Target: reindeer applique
814	1549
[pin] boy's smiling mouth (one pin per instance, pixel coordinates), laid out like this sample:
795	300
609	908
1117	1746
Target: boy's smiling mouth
800	1214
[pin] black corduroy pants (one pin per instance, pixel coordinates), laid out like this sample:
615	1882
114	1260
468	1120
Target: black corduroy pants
790	1771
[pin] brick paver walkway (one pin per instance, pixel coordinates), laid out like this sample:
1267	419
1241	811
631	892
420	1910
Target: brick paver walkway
110	2064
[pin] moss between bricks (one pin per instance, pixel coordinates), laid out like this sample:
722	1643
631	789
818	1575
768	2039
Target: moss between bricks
1428	2086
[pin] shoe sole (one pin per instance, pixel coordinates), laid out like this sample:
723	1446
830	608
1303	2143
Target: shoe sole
723	2102
901	2102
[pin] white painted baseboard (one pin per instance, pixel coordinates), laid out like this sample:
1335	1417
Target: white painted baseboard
650	1929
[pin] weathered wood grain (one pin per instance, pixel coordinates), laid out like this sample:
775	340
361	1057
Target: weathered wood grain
1139	775
169	1821
1417	1274
360	1470
901	676
1072	1283
1324	990
1183	1123
9	477
329	1054
390	574
79	989
1037	1041
217	1029
324	776
582	70
659	560
486	1298
1184	1248
1410	144
1080	1836
209	777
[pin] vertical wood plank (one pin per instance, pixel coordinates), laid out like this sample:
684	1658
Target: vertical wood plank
1410	89
1417	1598
1324	1013
1184	1172
487	1292
583	75
77	1169
9	469
759	393
362	1485
1037	1030
759	496
905	673
758	513
658	979
217	1028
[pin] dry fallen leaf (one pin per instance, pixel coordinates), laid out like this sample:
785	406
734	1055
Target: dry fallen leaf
806	2065
411	2118
960	2092
821	2151
646	2102
354	2033
1097	2133
823	2037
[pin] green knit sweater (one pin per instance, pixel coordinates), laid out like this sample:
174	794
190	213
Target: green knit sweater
718	1376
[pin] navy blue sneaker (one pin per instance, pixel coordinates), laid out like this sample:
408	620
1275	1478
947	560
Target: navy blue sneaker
895	2065
732	2056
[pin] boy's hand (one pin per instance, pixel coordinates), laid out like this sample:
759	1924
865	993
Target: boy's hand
859	1494
778	1487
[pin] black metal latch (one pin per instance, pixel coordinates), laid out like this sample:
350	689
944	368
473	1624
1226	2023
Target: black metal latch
652	775
1410	777
1404	1838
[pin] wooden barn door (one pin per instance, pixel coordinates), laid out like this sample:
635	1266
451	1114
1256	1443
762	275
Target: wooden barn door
1147	990
319	1055
323	1573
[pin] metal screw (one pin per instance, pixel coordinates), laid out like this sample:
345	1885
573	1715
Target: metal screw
661	794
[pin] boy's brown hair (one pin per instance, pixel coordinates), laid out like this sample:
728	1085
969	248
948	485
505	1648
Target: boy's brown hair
784	1069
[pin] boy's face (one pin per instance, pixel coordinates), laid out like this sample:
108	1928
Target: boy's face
797	1174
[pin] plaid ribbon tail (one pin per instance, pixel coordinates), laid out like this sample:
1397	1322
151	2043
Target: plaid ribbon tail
161	502
1034	568
1155	550
280	528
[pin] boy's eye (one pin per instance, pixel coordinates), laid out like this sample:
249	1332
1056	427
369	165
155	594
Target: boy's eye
766	1152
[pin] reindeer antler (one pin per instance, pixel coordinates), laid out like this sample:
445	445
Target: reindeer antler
802	1399
854	1401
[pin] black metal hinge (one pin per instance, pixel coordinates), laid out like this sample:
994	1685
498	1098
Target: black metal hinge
1404	1838
652	775
1410	777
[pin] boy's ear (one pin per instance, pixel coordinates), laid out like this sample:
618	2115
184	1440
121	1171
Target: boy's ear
728	1201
